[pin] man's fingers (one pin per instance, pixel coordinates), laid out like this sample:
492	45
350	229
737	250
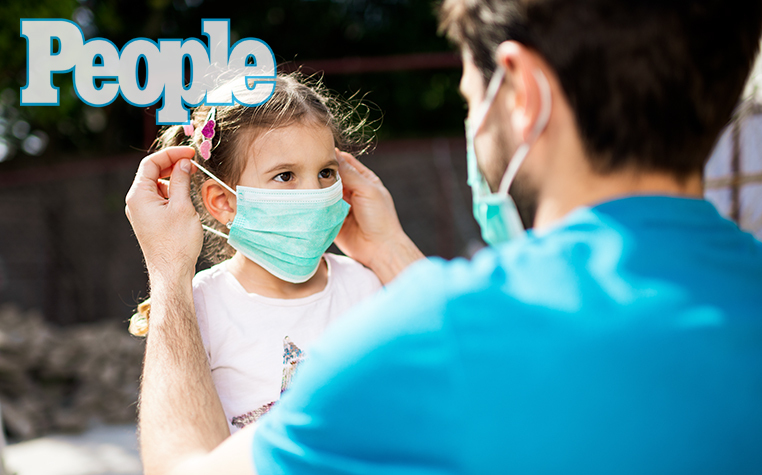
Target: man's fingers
146	188
349	174
179	184
352	171
163	187
157	165
360	167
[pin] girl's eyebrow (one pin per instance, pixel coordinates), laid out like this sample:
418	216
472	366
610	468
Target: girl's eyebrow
281	166
291	166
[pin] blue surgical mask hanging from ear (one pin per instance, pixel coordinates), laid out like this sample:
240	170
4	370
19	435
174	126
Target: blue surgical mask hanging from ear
496	212
285	231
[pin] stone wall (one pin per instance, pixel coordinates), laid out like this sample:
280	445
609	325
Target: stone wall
60	379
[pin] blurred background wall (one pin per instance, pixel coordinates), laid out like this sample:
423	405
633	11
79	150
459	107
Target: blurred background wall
733	174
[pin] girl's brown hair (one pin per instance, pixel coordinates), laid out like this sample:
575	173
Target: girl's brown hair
295	99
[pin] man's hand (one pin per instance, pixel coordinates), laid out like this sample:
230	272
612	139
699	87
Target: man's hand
182	423
372	234
163	217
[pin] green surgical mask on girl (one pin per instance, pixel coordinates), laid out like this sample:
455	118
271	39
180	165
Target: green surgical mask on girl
285	231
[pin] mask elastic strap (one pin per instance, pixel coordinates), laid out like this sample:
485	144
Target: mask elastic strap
214	231
209	174
222	184
489	97
539	127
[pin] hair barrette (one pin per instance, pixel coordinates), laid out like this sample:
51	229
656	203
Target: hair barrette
207	131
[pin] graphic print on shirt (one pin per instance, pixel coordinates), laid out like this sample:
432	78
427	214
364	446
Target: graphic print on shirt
292	356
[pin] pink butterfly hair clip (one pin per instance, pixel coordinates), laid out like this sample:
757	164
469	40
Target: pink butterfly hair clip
207	131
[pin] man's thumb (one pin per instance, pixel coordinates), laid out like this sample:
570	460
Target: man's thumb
350	176
179	183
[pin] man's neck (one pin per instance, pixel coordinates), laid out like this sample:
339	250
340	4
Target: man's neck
587	188
559	169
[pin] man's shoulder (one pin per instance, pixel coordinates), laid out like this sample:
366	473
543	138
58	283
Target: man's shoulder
625	258
419	300
532	262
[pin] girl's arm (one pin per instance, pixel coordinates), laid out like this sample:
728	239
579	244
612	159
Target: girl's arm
372	234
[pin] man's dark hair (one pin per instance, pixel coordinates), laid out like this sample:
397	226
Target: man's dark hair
651	83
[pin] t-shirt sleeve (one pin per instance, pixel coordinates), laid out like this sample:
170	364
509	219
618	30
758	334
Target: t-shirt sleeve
377	395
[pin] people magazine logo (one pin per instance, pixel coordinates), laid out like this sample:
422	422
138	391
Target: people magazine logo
180	73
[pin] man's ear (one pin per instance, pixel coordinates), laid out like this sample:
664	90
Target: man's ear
525	106
218	201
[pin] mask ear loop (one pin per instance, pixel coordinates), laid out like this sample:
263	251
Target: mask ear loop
222	184
489	97
214	231
210	175
539	127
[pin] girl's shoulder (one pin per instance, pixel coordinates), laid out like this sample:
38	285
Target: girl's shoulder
210	277
348	272
344	264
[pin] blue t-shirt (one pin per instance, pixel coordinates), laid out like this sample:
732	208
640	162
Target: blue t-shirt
625	340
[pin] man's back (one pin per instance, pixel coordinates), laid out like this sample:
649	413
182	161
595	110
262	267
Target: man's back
628	339
634	342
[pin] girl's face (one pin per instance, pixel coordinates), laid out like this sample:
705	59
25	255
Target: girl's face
300	156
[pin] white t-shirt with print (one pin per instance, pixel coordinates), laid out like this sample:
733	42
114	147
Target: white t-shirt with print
254	343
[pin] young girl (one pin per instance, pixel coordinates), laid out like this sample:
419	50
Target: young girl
269	193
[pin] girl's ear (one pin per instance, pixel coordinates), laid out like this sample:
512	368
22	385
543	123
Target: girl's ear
218	201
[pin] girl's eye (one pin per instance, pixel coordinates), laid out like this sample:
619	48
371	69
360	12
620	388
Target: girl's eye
327	173
284	177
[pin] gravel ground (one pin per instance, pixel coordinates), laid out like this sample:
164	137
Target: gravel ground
102	450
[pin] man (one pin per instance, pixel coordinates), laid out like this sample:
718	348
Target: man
622	335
